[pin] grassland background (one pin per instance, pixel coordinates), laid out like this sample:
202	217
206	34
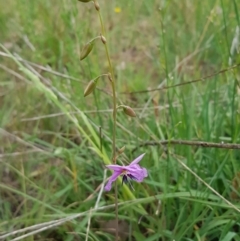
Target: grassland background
50	161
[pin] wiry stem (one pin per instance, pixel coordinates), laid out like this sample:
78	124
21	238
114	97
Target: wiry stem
112	80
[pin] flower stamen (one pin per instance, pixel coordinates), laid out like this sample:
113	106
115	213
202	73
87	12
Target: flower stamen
126	180
131	176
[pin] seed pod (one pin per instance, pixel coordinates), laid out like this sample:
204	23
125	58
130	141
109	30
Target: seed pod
90	87
86	50
84	1
129	111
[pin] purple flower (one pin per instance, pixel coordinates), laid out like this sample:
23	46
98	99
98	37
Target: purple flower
132	171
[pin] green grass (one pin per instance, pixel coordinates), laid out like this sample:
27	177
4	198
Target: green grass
51	164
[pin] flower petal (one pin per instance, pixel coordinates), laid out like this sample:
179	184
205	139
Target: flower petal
132	168
111	180
138	173
137	160
116	168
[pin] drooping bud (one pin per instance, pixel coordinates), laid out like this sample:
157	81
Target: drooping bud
84	1
129	111
86	50
103	39
96	4
121	150
91	87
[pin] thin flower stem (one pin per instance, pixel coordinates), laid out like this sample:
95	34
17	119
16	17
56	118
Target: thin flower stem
112	80
98	37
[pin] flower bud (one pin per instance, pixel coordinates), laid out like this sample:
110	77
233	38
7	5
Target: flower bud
96	4
121	150
129	111
84	1
86	50
103	39
90	87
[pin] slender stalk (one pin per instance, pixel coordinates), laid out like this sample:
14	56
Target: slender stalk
112	80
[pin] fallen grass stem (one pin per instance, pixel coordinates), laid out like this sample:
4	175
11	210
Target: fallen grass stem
183	83
189	143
